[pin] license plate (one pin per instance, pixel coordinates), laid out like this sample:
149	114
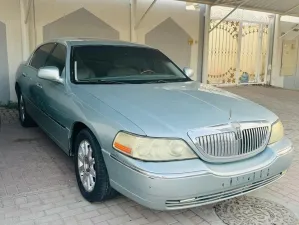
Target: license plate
247	178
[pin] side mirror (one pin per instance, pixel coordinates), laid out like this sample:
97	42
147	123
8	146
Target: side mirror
50	73
188	71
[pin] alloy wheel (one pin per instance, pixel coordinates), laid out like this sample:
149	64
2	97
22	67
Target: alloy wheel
22	108
86	164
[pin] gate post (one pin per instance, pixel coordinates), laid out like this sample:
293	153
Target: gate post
205	61
275	78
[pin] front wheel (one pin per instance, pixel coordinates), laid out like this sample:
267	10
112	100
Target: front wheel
25	119
90	168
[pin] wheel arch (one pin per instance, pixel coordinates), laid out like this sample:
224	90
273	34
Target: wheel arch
76	128
17	89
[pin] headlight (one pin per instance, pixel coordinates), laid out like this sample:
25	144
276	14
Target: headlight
277	132
152	149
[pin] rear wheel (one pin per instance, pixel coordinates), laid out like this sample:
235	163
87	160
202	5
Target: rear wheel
25	119
90	168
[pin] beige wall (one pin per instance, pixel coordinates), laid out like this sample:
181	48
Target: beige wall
188	20
113	12
10	16
116	13
277	79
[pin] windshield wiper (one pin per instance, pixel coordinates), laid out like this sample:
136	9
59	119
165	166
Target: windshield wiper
167	81
109	82
157	81
101	81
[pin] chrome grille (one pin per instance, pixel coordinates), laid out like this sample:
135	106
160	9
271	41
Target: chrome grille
239	142
253	139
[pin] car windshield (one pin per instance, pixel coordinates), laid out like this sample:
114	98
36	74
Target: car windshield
123	64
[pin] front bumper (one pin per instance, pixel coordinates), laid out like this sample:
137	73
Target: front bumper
191	183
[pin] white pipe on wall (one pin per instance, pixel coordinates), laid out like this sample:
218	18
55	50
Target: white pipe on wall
24	30
27	9
133	4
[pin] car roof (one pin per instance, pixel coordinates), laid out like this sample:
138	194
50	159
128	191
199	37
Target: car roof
94	41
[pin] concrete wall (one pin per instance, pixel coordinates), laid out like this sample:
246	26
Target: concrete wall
10	47
278	79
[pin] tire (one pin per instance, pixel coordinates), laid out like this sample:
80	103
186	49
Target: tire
99	188
25	119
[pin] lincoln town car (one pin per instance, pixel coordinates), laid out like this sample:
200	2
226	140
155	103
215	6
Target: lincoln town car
136	123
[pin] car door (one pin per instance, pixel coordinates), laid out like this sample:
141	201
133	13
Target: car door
56	99
32	92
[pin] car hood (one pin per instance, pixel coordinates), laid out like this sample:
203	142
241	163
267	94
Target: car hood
171	108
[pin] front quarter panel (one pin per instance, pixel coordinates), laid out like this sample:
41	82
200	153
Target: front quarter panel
19	78
101	119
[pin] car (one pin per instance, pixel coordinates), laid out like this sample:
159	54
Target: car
135	123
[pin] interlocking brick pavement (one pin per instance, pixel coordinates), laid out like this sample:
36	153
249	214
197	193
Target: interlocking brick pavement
38	186
8	116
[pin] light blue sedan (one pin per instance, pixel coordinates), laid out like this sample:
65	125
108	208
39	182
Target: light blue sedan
136	124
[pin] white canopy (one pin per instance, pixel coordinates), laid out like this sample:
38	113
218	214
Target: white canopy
283	7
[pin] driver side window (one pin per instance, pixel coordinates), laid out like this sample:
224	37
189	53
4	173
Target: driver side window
40	55
57	58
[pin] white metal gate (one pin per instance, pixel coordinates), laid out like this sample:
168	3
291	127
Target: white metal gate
238	53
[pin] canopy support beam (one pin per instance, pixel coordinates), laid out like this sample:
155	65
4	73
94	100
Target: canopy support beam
231	12
286	33
290	10
146	12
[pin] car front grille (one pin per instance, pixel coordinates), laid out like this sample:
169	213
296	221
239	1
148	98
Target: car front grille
216	197
233	143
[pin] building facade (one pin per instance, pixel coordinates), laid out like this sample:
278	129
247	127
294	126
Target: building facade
169	26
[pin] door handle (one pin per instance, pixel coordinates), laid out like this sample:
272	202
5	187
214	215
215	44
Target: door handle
39	85
24	74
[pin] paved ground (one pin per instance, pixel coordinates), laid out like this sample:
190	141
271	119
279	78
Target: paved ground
37	182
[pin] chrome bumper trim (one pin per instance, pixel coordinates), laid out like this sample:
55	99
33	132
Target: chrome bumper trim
208	199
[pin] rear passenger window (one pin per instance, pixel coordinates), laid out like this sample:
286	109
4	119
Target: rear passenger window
40	56
57	58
